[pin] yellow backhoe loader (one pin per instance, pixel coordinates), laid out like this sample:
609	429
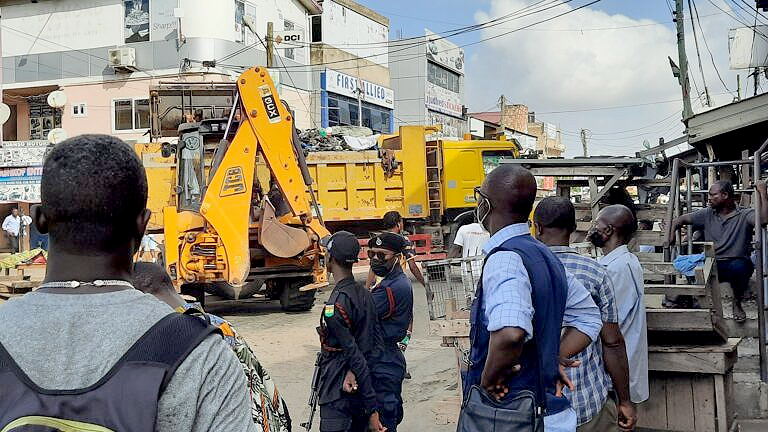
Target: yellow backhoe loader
227	233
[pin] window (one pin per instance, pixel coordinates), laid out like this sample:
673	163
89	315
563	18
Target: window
317	28
130	114
289	53
344	111
492	159
78	110
239	27
443	77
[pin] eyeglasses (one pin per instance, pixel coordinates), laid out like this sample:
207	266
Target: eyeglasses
381	256
480	194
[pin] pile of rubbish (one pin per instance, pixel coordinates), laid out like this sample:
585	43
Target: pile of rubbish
338	138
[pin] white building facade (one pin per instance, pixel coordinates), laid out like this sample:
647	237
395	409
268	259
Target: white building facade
428	80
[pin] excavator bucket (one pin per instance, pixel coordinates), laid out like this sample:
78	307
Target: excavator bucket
279	239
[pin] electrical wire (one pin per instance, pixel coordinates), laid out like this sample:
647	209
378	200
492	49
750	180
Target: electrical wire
698	57
706	45
419	40
737	19
458	47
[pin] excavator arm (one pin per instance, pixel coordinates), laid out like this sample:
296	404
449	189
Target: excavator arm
266	126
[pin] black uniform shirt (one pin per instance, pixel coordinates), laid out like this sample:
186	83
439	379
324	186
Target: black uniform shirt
352	342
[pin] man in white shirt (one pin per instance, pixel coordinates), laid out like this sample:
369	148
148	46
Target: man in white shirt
612	231
11	226
469	242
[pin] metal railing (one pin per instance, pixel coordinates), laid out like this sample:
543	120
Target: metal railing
451	281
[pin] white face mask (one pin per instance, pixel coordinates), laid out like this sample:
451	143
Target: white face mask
482	211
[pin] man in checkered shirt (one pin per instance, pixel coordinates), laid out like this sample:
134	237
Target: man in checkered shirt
604	362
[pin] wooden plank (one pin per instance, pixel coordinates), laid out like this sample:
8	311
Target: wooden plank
652	414
674	289
679	320
720	404
655	238
649	256
704	404
456	328
665	268
690	362
652	214
729	346
679	403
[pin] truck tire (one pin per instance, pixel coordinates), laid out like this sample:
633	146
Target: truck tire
293	300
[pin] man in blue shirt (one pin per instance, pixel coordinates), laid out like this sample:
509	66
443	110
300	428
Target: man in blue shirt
393	300
604	362
613	229
519	277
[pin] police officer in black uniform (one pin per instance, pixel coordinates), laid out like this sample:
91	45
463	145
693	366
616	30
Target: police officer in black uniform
351	344
393	298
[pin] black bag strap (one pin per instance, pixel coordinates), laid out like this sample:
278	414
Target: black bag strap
168	342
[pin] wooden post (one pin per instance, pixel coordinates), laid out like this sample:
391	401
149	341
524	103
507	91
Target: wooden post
593	201
270	44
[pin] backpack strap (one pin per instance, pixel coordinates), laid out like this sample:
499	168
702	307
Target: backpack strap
169	342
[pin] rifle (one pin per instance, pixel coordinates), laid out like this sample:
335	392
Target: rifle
314	393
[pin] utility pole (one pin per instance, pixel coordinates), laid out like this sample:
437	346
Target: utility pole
738	87
270	44
683	60
584	142
756	81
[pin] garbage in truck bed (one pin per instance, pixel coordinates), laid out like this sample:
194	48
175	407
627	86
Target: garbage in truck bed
338	138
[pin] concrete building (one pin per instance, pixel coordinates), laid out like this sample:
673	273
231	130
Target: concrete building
428	79
350	63
518	118
105	54
485	126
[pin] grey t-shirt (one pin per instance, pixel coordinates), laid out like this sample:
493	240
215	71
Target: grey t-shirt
732	233
69	341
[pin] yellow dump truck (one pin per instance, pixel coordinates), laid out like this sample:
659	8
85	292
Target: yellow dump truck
429	182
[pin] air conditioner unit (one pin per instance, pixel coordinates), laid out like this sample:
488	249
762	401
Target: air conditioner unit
123	59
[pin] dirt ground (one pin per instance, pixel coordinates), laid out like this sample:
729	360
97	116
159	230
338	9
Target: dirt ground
286	344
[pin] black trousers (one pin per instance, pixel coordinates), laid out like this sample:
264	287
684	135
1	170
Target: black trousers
14	242
737	272
343	415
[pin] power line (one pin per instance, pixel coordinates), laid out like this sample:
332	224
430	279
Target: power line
698	57
458	47
737	19
420	40
706	44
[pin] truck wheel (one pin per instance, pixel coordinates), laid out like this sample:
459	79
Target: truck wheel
293	300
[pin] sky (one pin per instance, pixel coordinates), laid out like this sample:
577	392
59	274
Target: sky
602	68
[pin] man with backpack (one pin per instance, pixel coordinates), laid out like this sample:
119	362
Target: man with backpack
86	349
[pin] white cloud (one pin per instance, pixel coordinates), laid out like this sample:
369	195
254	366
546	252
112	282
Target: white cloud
571	67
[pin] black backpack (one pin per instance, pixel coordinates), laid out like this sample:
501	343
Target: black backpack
124	400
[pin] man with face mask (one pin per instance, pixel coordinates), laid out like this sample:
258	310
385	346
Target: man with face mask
612	231
351	346
393	297
524	302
